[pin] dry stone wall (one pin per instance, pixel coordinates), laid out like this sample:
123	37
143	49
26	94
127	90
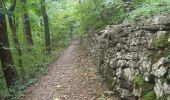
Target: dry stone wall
133	57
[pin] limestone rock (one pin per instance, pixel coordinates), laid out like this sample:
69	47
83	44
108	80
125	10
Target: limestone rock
124	93
158	69
130	73
125	50
161	20
166	88
158	89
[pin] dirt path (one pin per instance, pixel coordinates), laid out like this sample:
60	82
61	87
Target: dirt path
72	77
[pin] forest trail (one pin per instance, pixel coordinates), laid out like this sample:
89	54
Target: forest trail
71	77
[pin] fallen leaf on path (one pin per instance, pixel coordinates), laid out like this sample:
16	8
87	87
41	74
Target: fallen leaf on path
56	99
58	86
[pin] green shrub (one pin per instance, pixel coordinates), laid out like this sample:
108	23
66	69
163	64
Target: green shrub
148	7
139	80
146	88
149	96
164	97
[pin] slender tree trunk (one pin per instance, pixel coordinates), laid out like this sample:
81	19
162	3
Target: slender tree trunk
12	24
26	25
11	21
46	27
5	52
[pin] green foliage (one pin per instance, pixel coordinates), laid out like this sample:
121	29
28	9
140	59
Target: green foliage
140	83
62	28
164	97
161	42
94	14
168	55
103	97
3	88
70	19
149	96
139	80
163	80
148	7
137	2
146	88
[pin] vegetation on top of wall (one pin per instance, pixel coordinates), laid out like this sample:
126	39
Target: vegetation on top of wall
94	14
148	8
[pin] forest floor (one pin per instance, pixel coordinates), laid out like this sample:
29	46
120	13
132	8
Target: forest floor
72	76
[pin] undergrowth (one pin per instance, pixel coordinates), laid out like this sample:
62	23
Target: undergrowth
149	8
33	71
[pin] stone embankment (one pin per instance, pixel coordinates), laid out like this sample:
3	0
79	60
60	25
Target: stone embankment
134	57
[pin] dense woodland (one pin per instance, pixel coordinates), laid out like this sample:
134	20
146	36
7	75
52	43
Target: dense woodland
32	32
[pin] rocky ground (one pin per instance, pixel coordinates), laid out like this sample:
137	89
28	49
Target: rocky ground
72	76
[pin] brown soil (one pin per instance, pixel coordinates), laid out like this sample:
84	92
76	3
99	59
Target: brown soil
72	76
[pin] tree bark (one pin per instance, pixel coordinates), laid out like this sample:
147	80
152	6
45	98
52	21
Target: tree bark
5	52
11	20
16	41
26	25
46	27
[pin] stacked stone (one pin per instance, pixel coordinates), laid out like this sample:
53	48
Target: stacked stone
132	58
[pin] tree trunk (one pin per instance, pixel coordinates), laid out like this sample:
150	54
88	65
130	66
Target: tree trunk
5	52
12	24
46	27
16	42
26	25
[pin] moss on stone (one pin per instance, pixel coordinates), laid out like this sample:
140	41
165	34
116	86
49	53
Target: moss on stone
168	55
161	42
149	96
110	82
109	76
155	56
